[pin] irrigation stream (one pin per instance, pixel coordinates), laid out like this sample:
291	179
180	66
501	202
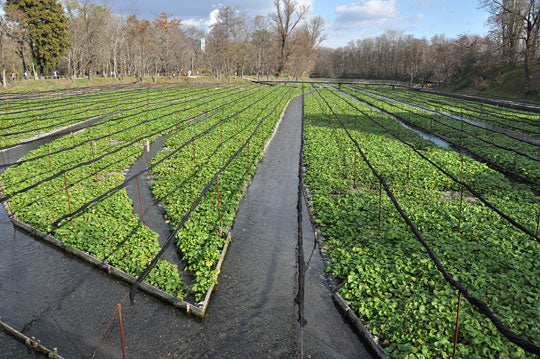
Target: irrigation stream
152	211
515	134
67	304
436	140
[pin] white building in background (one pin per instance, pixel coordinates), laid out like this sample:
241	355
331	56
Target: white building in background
203	44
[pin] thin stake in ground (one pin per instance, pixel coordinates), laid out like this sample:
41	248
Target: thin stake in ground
140	200
219	207
457	325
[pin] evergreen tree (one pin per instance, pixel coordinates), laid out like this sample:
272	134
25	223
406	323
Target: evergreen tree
46	30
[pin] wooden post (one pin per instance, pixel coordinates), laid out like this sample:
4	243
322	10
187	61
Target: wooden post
147	109
409	168
2	151
460	192
67	195
140	200
194	159
109	131
380	204
94	150
183	132
457	326
9	206
247	159
354	178
48	154
365	123
219	207
121	330
538	223
461	138
500	144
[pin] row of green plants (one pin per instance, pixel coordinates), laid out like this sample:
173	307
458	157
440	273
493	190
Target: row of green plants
386	275
526	122
58	99
450	129
181	178
17	127
108	230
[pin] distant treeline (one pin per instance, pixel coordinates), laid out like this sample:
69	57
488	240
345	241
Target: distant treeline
514	38
79	38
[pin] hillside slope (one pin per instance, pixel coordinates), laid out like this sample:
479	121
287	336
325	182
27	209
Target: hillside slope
500	82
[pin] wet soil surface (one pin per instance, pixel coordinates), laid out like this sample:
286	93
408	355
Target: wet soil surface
68	304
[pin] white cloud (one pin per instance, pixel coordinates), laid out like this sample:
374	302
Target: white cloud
367	13
212	18
194	22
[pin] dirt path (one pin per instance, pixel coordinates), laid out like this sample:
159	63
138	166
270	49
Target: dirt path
68	304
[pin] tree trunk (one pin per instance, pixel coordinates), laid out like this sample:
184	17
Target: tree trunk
526	71
36	76
4	82
21	55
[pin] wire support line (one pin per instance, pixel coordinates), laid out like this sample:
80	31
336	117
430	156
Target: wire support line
511	220
498	167
195	204
392	102
169	155
479	305
165	104
124	129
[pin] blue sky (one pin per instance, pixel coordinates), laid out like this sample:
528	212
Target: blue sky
346	20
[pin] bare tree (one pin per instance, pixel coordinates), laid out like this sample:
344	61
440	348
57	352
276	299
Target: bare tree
315	28
8	32
516	20
286	17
